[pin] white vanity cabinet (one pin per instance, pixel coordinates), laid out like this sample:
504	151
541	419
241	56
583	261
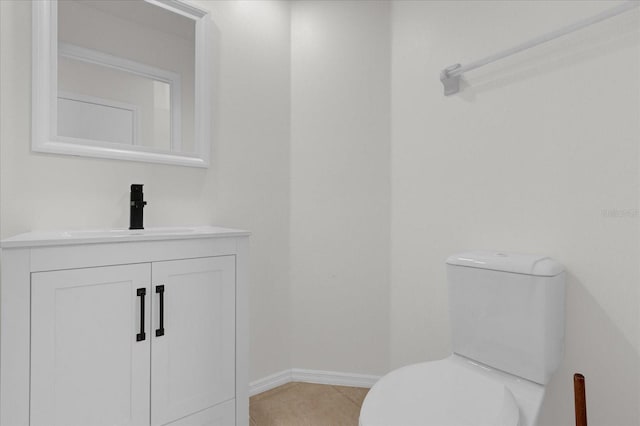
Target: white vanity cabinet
124	328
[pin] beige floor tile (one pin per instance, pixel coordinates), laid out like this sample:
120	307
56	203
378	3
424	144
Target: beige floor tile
354	394
304	404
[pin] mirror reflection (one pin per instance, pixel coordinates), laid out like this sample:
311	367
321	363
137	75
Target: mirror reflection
126	75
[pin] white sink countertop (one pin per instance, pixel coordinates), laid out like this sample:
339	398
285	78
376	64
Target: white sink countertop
70	237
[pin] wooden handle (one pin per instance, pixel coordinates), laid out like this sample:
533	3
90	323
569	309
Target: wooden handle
580	399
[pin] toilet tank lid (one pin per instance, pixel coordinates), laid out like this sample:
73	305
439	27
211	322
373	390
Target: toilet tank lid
528	264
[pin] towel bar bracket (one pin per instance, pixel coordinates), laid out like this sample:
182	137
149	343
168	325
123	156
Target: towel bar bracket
450	82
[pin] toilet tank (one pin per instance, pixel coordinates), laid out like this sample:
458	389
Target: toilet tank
507	311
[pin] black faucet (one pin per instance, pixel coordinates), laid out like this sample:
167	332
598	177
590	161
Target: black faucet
137	204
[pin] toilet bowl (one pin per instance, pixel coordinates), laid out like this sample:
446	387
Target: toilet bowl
507	314
454	391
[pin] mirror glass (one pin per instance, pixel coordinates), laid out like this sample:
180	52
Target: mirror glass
125	74
122	79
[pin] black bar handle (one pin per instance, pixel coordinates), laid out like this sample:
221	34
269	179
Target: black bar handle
160	291
141	336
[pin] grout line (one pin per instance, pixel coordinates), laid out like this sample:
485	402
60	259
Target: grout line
344	395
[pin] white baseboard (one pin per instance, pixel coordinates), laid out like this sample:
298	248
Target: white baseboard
333	378
311	376
270	382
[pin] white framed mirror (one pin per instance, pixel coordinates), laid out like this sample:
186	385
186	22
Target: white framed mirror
127	80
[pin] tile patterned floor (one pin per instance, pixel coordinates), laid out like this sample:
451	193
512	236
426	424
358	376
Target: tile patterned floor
306	404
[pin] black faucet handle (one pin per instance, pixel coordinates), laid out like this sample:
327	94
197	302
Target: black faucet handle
136	192
137	204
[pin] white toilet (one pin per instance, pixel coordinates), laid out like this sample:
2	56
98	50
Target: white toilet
507	316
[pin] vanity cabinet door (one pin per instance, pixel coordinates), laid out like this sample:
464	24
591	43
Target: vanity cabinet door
193	350
89	362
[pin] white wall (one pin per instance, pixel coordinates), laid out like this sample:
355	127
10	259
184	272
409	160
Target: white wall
524	159
245	187
252	164
340	185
